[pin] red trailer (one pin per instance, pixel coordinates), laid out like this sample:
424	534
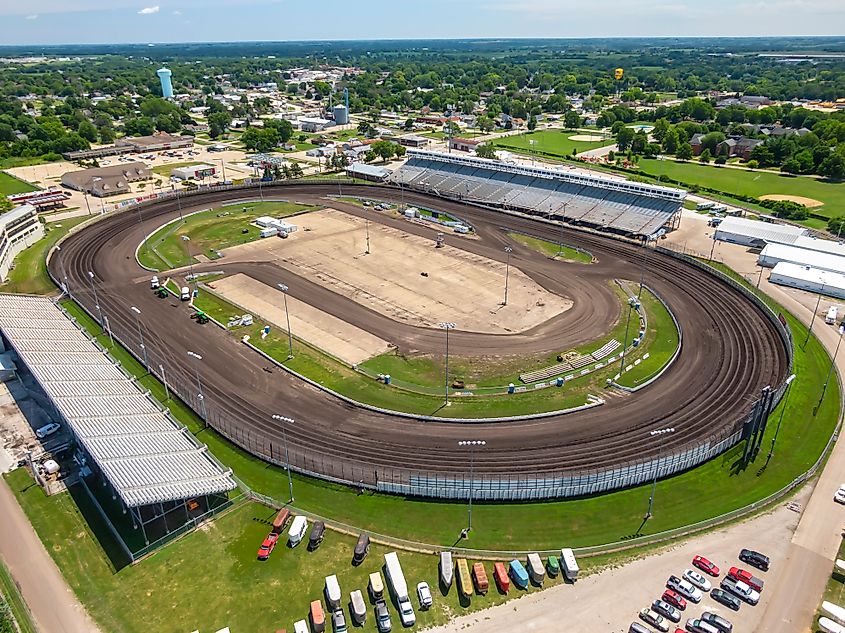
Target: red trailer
500	573
479	575
280	520
318	618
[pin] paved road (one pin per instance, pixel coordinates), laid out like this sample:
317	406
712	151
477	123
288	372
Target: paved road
52	603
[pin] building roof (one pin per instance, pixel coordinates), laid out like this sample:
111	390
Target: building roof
86	177
809	274
803	257
368	170
18	213
153	139
144	453
817	244
466	141
764	231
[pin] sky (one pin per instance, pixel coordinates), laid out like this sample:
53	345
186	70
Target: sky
144	21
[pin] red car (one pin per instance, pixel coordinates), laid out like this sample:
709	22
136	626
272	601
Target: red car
675	599
747	577
705	565
267	546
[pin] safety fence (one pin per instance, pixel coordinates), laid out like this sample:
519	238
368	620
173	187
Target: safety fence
231	422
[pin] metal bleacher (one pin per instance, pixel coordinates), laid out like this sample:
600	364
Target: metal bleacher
594	201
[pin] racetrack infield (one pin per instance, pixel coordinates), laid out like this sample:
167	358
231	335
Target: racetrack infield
731	350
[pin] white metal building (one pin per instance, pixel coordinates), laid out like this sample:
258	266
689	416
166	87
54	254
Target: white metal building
823	246
755	233
810	279
194	172
19	228
773	254
314	124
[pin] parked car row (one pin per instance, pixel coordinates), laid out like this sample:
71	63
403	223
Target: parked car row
739	585
296	533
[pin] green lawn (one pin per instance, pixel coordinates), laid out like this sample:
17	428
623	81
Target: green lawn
10	184
552	249
748	183
209	231
549	142
30	273
691	496
211	578
661	342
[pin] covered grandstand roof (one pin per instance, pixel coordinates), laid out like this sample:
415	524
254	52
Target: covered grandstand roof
143	452
619	205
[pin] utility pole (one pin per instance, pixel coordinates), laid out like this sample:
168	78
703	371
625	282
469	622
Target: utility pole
164	380
508	250
447	326
472	444
830	369
780	419
285	420
658	433
284	290
186	240
141	336
813	316
200	395
96	299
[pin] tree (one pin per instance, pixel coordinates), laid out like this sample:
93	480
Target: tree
485	124
833	167
365	128
260	140
684	151
661	128
670	141
572	119
624	139
409	125
86	130
752	164
836	225
532	123
705	156
5	204
451	129
486	150
639	142
218	124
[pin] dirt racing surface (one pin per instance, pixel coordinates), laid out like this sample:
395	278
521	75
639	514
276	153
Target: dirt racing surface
731	350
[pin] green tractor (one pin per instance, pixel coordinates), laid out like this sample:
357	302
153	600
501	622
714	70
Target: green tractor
200	316
162	293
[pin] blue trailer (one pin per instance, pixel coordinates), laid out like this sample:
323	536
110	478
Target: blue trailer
518	574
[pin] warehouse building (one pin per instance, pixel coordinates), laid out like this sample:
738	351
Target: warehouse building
133	145
808	278
19	228
822	246
773	254
194	172
757	234
314	124
367	172
106	181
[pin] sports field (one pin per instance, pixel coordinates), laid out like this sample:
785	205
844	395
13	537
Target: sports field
748	183
10	184
549	142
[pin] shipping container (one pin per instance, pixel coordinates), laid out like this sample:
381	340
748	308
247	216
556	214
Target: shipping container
536	569
280	520
479	576
500	573
447	569
357	607
464	578
318	618
569	564
332	591
518	574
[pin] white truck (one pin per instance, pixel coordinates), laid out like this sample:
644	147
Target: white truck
400	588
830	318
569	564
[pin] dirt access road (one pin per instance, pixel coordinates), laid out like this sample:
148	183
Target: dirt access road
52	603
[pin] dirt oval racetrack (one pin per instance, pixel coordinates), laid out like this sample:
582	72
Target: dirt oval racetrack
731	350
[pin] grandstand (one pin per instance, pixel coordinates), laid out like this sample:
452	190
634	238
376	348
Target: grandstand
125	441
620	206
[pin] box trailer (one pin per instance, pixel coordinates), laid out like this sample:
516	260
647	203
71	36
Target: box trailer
569	564
830	318
297	530
316	536
362	548
479	576
500	575
464	578
280	520
376	586
300	626
517	572
395	576
357	607
447	569
553	566
332	591
318	618
536	569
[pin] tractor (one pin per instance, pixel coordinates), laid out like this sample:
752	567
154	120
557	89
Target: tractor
200	316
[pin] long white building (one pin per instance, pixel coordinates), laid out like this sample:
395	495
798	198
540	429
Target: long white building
774	254
19	228
810	279
757	234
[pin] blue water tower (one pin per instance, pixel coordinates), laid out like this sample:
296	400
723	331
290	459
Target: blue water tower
166	85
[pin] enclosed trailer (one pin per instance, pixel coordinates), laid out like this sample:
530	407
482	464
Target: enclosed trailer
362	548
280	520
518	574
447	569
479	576
316	536
332	591
376	586
500	574
536	569
464	578
297	530
395	576
569	564
357	607
553	566
318	618
300	626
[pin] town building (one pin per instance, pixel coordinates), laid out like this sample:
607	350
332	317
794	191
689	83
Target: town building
106	181
464	144
314	124
19	228
367	172
133	145
194	172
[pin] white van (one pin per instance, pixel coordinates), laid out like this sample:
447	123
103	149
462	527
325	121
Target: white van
830	319
297	530
154	283
185	294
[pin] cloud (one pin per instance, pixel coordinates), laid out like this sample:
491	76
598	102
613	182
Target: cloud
149	10
177	12
33	16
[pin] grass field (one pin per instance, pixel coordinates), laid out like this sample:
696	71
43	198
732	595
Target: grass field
552	249
549	142
661	342
210	230
211	578
748	183
30	273
10	184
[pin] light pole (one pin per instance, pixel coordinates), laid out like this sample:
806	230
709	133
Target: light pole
780	419
200	396
646	240
658	433
367	222
96	299
713	246
284	290
625	342
472	444
164	380
447	326
179	204
285	420
508	250
830	369
66	284
141	336
187	241
815	312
